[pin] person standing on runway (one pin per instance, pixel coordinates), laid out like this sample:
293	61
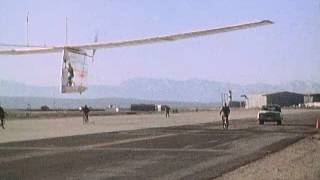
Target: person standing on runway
2	116
167	109
86	111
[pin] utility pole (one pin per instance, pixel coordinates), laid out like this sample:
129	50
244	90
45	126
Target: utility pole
54	101
66	30
28	28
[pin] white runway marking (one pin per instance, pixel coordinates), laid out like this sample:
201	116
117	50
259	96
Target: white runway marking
163	149
55	149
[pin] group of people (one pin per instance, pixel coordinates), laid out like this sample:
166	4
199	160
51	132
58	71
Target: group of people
84	109
224	112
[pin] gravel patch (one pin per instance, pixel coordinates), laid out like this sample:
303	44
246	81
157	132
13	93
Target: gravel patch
300	161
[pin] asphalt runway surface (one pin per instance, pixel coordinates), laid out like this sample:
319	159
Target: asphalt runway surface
201	151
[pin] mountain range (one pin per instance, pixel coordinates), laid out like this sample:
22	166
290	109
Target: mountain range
146	89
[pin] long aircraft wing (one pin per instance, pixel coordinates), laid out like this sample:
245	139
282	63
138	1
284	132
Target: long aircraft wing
134	42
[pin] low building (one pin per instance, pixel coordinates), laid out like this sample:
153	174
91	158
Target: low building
284	98
255	100
143	107
159	107
237	104
312	100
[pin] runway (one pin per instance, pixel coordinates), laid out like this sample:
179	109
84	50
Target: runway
196	151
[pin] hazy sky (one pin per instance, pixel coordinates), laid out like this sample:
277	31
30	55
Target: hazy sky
288	50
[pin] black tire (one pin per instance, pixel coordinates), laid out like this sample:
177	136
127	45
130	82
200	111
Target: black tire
279	122
261	122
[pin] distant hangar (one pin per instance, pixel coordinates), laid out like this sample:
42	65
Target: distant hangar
312	100
284	98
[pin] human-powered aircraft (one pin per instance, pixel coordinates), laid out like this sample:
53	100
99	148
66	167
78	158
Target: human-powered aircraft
74	68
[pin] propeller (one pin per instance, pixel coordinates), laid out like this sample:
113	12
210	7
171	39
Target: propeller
94	50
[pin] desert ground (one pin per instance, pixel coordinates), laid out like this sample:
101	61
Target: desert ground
189	145
37	128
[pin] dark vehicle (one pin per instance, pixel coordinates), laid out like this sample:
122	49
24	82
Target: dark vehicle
270	113
44	108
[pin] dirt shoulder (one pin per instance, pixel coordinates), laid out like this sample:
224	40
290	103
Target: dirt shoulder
300	161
